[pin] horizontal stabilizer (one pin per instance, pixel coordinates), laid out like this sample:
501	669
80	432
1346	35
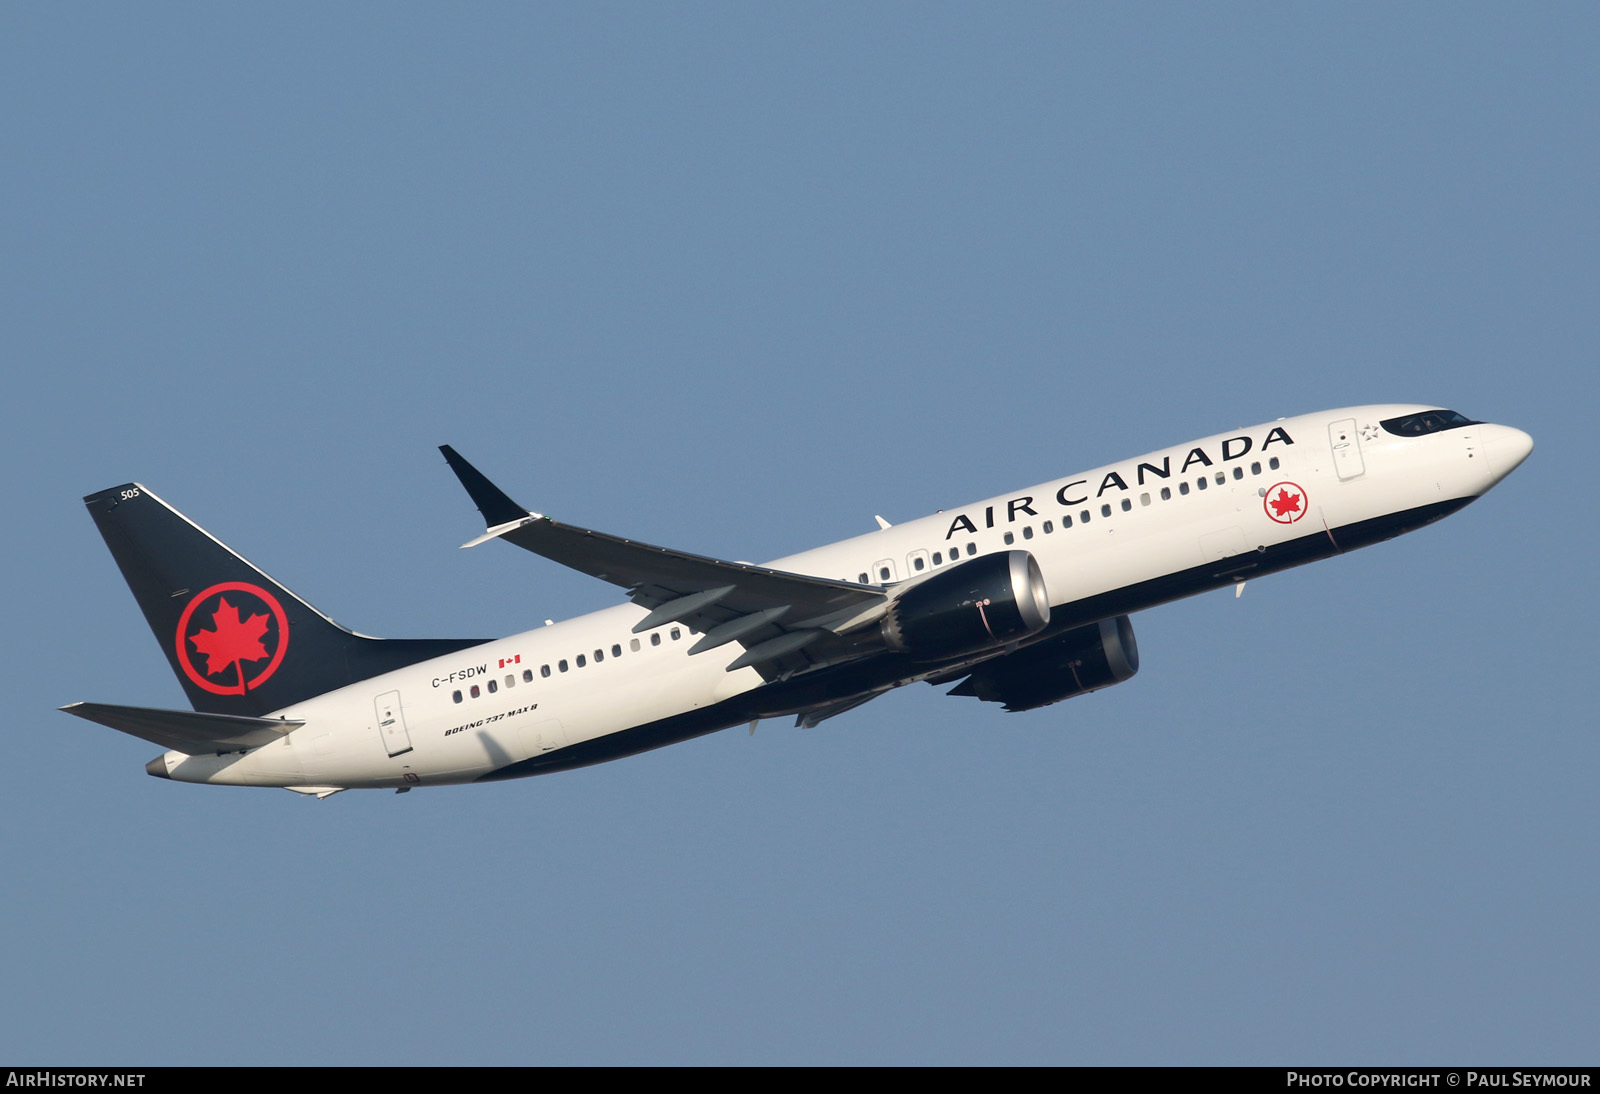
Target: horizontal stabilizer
186	731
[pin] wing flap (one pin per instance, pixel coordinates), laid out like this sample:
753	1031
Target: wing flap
678	608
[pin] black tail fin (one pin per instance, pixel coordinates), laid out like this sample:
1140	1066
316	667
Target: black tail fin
239	642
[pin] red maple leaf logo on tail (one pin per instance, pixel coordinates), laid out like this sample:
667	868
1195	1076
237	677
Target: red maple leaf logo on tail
1285	503
231	640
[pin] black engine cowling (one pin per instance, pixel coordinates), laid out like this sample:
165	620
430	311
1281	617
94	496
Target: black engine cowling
1081	660
978	605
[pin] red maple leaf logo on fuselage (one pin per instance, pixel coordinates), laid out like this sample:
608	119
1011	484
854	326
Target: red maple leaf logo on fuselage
233	639
1285	503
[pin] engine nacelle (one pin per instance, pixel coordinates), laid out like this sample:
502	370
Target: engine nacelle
976	606
1078	661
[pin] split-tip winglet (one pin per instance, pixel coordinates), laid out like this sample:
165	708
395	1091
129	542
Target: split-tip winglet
497	508
499	530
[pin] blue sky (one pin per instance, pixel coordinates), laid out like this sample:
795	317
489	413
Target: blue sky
735	278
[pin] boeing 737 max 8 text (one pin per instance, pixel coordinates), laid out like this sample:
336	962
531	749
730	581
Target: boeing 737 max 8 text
1021	599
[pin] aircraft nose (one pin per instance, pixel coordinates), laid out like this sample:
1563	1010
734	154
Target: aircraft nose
1507	447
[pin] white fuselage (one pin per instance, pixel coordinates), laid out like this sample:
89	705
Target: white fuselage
1095	534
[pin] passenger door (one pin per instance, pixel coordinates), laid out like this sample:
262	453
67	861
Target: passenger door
392	723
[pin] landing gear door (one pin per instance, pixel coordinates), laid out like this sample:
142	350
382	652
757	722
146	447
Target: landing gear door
1346	447
392	723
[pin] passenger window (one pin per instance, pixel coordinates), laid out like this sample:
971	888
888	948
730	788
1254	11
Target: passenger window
1049	526
456	695
655	639
1273	463
972	549
1221	478
562	665
599	656
1027	531
883	573
544	670
1201	483
1238	473
511	681
527	674
1010	539
475	692
1127	504
864	579
633	644
1144	499
1255	468
616	649
1166	493
938	559
916	563
1105	510
493	687
1083	517
581	661
1066	520
676	634
1183	488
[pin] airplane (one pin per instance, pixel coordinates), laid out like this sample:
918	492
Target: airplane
1021	599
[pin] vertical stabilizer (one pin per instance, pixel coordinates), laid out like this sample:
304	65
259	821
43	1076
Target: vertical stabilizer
238	642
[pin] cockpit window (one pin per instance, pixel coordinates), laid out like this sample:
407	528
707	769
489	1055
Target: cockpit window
1429	421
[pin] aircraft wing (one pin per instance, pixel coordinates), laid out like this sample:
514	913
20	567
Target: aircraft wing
774	614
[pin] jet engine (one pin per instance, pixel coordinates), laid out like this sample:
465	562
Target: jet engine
1081	660
979	605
